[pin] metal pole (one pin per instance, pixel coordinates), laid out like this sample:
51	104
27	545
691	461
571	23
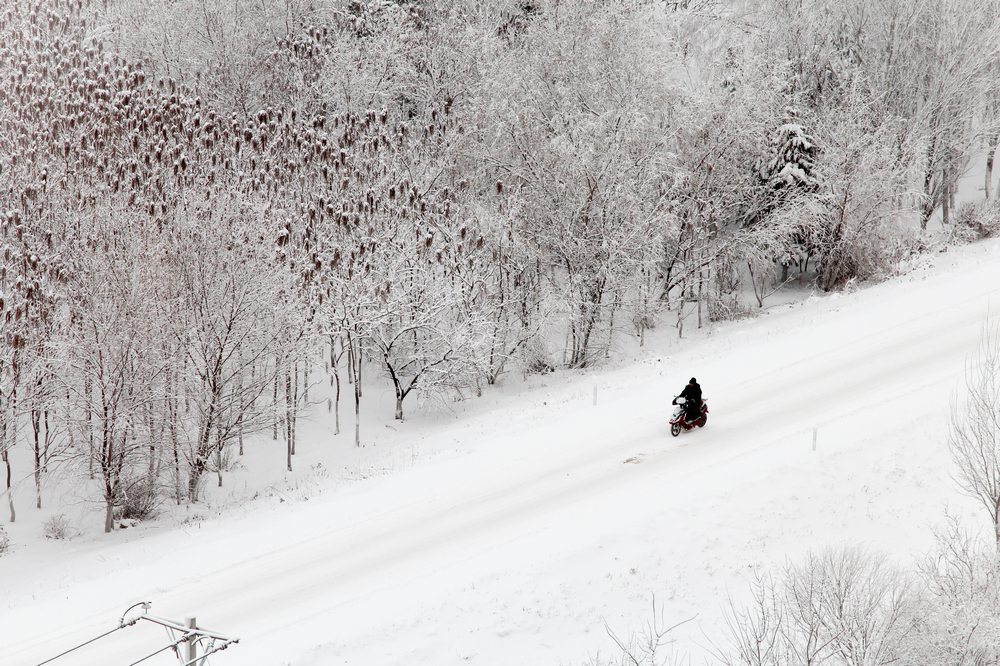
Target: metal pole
192	646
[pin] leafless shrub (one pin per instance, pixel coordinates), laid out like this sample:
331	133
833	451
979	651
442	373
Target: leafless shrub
226	459
4	540
976	220
723	302
729	310
841	606
56	527
755	628
138	500
534	358
974	435
960	621
852	604
645	648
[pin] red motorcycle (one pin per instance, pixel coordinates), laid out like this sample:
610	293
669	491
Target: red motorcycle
679	420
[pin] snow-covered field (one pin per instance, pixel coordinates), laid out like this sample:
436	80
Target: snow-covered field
512	529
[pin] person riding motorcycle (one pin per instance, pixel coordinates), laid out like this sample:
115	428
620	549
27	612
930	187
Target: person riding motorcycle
692	400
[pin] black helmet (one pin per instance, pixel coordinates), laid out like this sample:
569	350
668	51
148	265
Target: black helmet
693	381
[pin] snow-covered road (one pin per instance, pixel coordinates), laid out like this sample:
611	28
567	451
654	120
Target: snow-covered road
549	515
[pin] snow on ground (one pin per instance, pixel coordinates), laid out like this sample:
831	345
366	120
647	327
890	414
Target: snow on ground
515	528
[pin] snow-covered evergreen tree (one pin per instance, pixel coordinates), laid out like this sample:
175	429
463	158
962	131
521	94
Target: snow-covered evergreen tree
792	160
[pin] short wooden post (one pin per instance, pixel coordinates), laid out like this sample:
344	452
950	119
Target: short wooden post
814	438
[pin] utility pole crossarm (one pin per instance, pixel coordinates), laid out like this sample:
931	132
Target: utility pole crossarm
181	632
193	635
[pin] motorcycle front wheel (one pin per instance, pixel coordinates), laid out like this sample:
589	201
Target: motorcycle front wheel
675	429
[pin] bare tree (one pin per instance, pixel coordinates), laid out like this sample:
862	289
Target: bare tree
974	436
864	178
112	367
235	314
841	606
49	183
647	647
756	628
962	613
580	140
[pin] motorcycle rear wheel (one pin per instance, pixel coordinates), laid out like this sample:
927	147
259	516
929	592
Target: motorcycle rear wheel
704	420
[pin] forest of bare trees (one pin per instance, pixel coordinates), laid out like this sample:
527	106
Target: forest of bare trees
202	201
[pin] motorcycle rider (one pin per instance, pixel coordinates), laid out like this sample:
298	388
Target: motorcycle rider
692	398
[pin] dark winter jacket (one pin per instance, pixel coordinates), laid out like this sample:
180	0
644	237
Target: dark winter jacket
692	393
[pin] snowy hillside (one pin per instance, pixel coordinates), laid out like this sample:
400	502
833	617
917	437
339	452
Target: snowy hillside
510	533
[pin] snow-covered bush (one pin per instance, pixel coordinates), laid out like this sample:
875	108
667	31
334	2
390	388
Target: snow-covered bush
842	606
975	220
4	540
138	500
847	607
534	359
871	255
862	231
729	310
727	283
960	620
973	435
650	646
56	527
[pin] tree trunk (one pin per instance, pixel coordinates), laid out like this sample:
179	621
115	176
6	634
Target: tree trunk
357	405
995	511
946	204
611	324
295	406
6	461
109	497
218	453
172	410
204	448
243	405
336	398
991	149
46	442
69	419
701	288
928	205
357	371
109	520
197	469
350	359
153	466
35	427
177	472
290	445
996	523
274	399
87	390
680	315
396	387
